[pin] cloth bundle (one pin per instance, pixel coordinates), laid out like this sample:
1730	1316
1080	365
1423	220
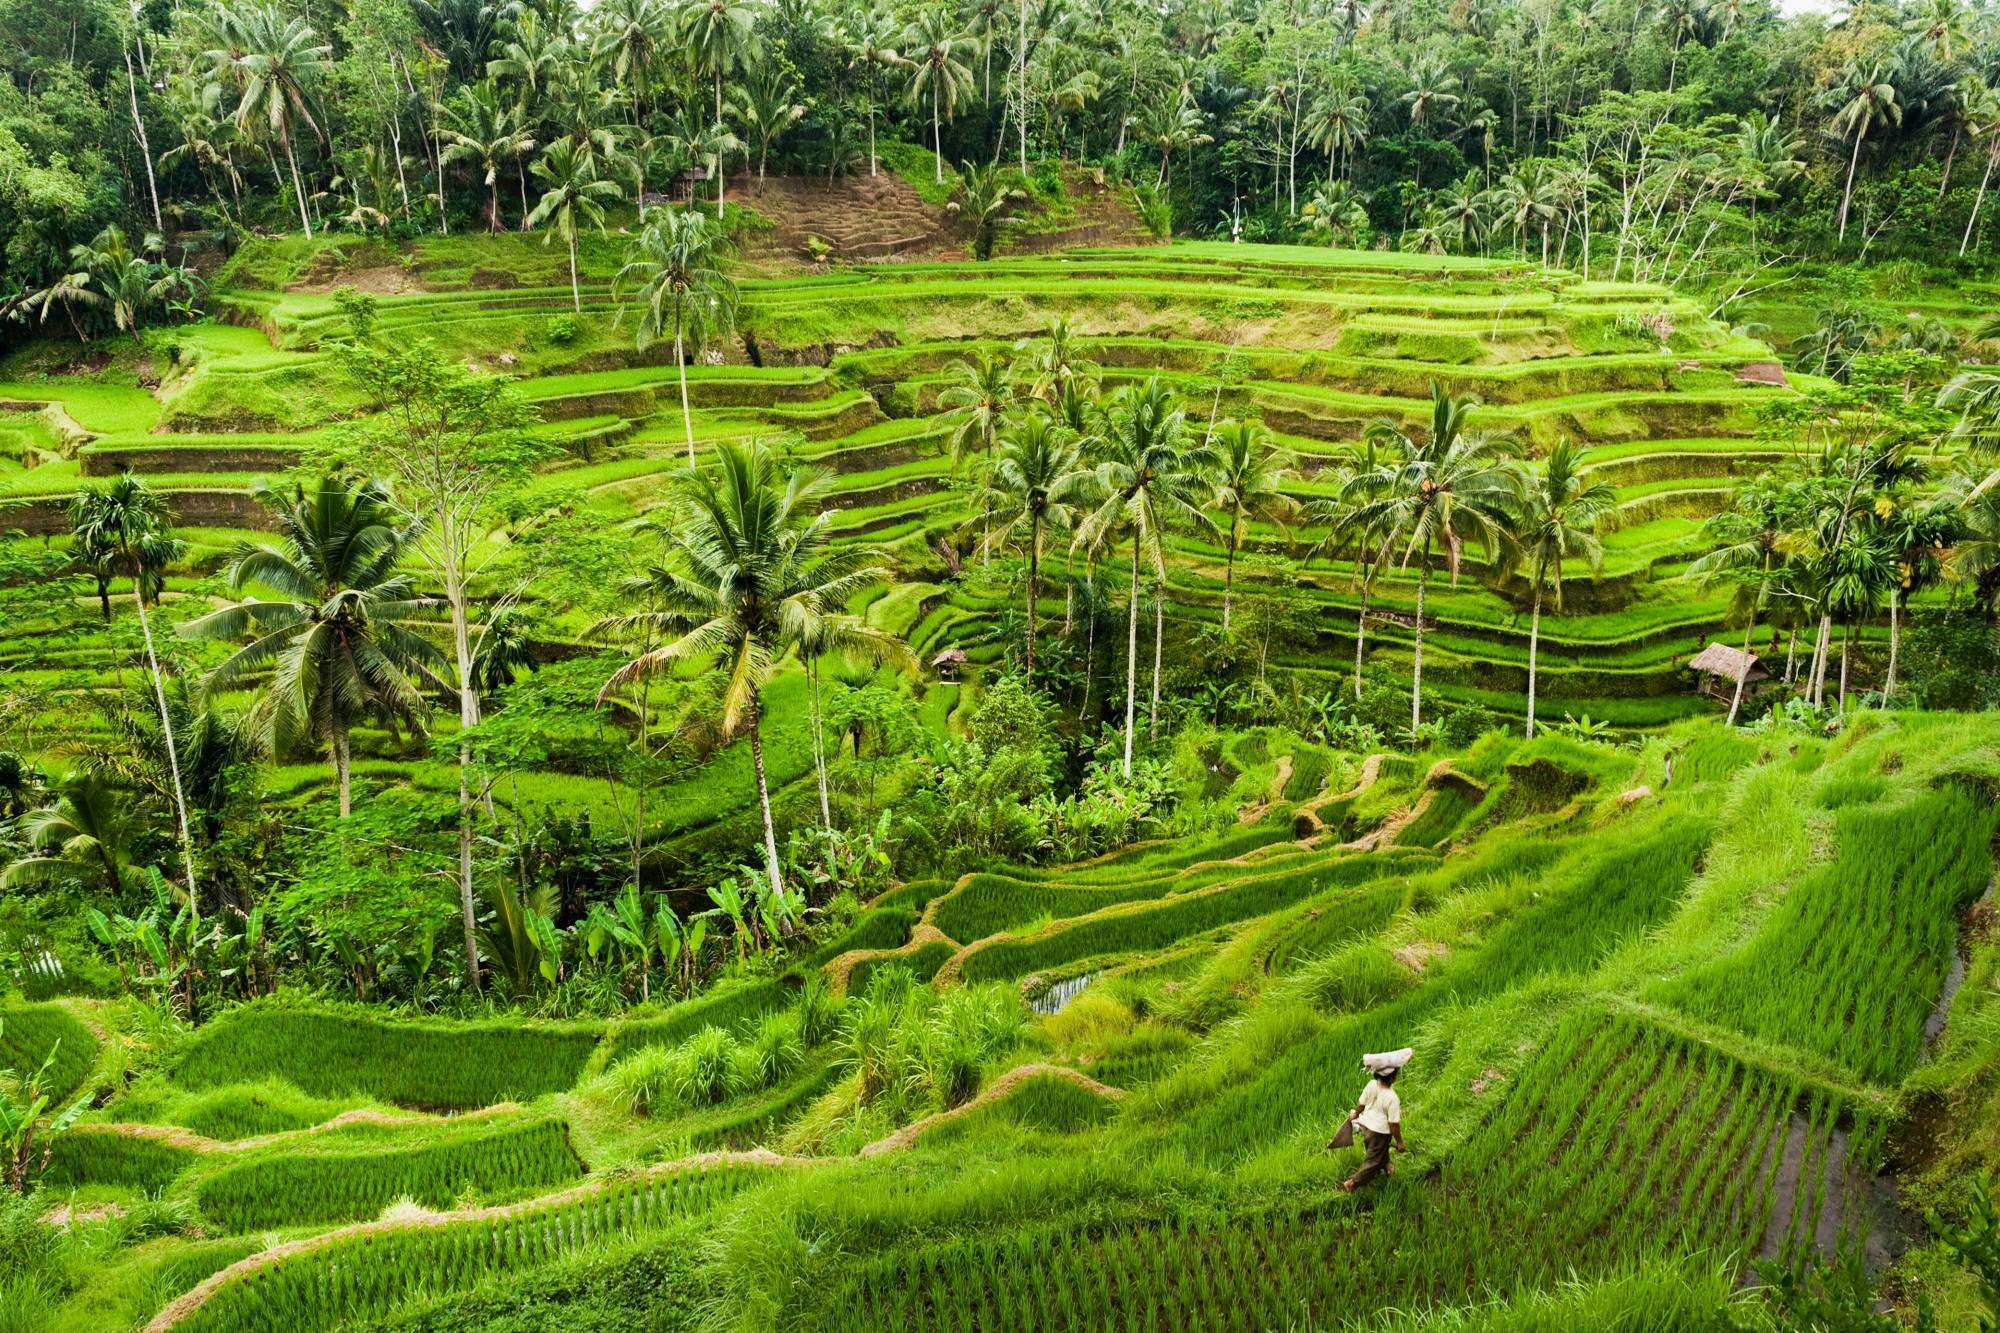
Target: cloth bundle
1383	1060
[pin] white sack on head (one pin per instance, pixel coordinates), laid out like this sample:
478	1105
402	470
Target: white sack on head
1384	1060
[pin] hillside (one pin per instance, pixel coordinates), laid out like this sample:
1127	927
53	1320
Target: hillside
1703	1011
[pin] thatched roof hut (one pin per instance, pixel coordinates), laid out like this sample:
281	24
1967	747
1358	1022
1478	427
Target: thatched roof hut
949	663
1720	663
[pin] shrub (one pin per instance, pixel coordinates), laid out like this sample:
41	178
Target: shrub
645	1079
703	1065
770	1049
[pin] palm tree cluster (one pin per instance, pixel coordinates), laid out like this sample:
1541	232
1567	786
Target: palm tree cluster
1055	458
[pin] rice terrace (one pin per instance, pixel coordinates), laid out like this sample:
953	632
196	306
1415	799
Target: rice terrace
706	666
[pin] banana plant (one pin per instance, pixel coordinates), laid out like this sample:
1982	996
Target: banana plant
622	924
730	901
26	1126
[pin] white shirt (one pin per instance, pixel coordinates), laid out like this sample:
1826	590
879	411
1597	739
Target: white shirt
1380	1107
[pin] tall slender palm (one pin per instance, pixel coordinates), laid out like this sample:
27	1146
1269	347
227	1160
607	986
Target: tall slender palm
484	130
1558	521
341	635
933	46
576	195
126	527
720	36
1339	123
1037	482
1920	534
867	36
673	268
1865	98
1051	365
1171	124
1362	537
634	38
1249	474
1432	96
274	57
1454	486
753	572
1150	478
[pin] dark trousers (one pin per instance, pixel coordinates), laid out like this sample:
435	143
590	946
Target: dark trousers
1377	1159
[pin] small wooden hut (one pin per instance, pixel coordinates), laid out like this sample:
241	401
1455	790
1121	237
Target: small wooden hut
948	664
1718	667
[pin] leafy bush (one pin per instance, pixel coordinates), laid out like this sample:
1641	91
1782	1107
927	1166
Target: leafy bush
769	1050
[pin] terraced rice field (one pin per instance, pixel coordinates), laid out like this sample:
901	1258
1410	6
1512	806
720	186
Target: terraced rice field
1661	1032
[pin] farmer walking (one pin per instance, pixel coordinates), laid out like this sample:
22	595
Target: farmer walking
1378	1114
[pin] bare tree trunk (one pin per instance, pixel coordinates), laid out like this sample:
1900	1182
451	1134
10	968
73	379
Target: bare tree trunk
680	364
145	148
1131	655
1159	635
819	747
1417	671
1360	636
1228	581
575	292
764	795
1034	587
341	766
1895	645
1534	643
1847	193
1980	198
298	187
1846	644
468	717
1792	656
167	733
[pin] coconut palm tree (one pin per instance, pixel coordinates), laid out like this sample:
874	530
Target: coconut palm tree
274	56
933	47
752	573
1432	96
866	36
126	527
634	38
673	268
482	129
576	194
1249	472
1361	537
1150	478
721	35
1339	123
1434	495
1558	521
1865	97
341	635
766	106
89	832
1037	482
982	197
1171	124
977	393
1052	364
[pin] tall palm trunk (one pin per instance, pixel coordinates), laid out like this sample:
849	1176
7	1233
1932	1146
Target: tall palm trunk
342	768
681	366
1034	589
1417	671
937	141
1846	647
298	186
1736	700
1992	152
1534	644
815	724
756	711
1895	643
468	718
575	292
1360	634
167	733
721	158
1159	634
1131	655
1228	577
1847	192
